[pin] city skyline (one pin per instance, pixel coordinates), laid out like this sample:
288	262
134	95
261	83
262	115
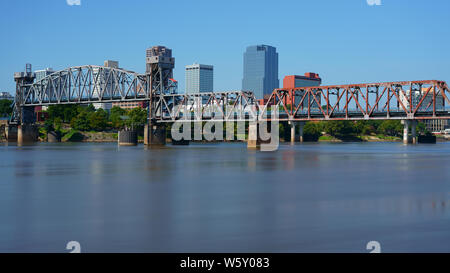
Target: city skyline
340	50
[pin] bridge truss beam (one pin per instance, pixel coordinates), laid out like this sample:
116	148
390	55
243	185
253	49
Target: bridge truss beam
217	106
86	84
390	100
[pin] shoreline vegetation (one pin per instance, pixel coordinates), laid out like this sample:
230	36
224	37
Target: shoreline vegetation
76	123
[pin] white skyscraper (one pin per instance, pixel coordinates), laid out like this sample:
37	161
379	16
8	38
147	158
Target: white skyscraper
199	78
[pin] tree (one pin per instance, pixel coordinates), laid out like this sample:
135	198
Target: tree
64	112
391	127
367	127
5	108
137	118
116	117
312	131
98	120
422	129
81	122
340	128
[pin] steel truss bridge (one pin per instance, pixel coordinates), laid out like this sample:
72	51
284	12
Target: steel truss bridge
411	100
414	100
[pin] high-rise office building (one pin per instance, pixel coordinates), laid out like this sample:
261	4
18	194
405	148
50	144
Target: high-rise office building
40	74
199	78
260	70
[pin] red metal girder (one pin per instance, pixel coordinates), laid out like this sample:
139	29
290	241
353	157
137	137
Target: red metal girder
432	82
346	102
395	90
300	104
357	102
281	100
444	87
337	103
421	101
399	100
434	101
318	104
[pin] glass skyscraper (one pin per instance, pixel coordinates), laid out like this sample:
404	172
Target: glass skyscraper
199	78
260	70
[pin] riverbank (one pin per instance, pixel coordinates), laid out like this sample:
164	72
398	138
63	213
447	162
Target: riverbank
71	135
365	138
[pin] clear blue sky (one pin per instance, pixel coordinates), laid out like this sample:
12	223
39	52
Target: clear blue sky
345	41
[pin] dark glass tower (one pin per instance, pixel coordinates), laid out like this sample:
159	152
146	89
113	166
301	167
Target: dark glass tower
260	70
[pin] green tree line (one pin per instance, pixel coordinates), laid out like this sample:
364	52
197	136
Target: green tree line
342	129
5	108
87	118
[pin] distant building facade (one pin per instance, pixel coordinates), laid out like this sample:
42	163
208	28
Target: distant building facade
199	78
40	74
260	70
309	79
6	96
436	125
417	96
100	83
432	125
129	104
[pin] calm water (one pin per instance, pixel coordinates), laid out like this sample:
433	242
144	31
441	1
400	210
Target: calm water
224	198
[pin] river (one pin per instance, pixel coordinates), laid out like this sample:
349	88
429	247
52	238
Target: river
318	197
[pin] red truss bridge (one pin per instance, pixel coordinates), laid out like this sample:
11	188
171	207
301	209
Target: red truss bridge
407	100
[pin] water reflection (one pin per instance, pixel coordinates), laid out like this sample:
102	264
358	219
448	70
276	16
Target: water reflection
223	197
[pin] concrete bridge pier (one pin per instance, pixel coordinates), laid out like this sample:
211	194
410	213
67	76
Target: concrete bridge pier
301	125
27	133
11	133
406	131
253	141
127	138
406	125
293	125
414	131
155	134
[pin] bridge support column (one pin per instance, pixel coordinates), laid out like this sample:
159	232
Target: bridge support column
414	131
155	134
406	124
127	138
27	133
292	124
301	126
253	141
11	133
